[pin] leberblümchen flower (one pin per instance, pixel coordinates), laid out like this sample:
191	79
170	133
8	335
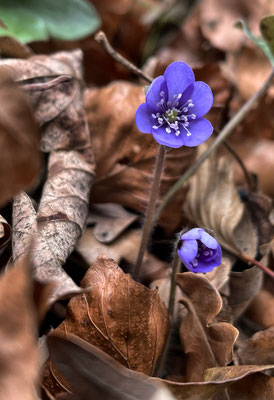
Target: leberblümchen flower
174	107
199	251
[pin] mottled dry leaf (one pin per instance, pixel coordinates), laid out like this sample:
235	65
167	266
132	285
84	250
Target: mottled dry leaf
91	371
120	316
5	232
213	201
124	247
259	349
206	343
19	138
110	221
243	287
218	379
19	364
124	156
56	97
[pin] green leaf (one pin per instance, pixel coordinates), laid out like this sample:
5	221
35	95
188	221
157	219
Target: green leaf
261	43
29	20
267	31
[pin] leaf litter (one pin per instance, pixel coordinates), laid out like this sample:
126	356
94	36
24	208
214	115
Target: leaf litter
75	181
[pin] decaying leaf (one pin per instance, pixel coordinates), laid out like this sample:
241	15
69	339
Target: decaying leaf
259	349
90	371
243	287
110	221
220	378
19	138
5	232
18	334
206	343
124	156
120	316
124	247
213	201
63	206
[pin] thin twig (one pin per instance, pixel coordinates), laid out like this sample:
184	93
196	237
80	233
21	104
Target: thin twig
225	132
101	38
150	210
250	260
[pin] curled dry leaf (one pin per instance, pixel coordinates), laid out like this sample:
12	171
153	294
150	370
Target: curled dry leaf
206	343
5	232
259	349
120	316
124	156
220	378
89	370
110	221
213	201
243	287
18	349
19	136
64	203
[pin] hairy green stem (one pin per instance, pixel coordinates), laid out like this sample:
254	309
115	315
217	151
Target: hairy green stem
225	132
149	218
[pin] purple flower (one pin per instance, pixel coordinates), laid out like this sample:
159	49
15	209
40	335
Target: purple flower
174	107
199	251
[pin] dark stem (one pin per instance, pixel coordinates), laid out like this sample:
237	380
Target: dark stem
150	210
175	269
101	38
225	132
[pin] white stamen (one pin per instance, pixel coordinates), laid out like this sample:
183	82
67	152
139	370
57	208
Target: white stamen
206	253
193	116
154	116
168	130
194	262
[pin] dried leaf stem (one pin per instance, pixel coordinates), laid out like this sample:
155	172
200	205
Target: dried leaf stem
149	217
175	269
225	132
101	38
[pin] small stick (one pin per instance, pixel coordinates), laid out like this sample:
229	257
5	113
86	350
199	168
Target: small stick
225	132
175	269
150	210
101	38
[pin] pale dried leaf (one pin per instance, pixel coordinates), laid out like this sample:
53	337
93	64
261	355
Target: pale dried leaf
120	316
206	343
213	201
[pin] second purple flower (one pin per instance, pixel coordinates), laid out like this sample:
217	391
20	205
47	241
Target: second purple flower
174	107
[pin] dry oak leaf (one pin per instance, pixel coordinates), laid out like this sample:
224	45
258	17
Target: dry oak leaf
120	316
91	371
213	201
19	140
124	156
259	349
19	362
206	343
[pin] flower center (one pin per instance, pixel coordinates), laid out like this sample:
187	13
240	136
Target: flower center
173	116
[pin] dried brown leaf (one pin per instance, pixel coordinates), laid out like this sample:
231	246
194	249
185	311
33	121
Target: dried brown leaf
259	349
19	364
124	247
13	48
261	310
243	287
110	221
213	201
206	343
124	156
220	378
120	316
5	232
89	370
19	136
